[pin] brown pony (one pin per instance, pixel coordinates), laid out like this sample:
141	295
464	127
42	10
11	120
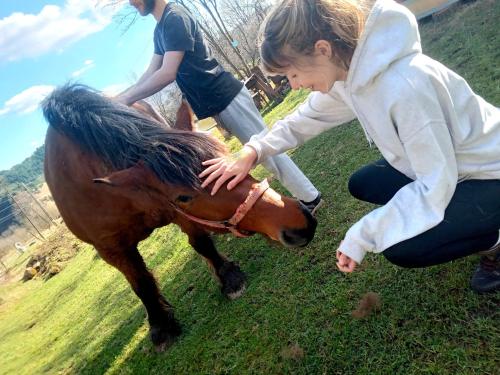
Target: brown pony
116	175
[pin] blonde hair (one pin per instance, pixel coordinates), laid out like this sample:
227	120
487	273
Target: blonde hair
293	26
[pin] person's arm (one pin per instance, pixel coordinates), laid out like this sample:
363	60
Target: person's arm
320	113
154	65
153	80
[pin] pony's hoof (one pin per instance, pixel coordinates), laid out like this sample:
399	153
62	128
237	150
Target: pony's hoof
236	294
233	280
162	347
163	337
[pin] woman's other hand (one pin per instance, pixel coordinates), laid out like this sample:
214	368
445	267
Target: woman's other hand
234	166
344	263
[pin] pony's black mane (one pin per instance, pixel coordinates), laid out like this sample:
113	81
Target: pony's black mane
122	137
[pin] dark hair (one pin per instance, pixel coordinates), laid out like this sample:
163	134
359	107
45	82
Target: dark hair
122	137
149	5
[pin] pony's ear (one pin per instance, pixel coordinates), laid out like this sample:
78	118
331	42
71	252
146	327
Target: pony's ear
185	117
129	177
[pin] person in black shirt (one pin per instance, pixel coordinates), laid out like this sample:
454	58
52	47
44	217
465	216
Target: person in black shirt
182	55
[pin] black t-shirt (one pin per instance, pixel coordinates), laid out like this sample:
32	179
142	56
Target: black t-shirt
206	85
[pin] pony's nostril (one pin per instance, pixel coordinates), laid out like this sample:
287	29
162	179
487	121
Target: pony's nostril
290	239
293	237
297	237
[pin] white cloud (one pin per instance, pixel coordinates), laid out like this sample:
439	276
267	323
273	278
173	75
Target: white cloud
88	64
26	101
54	28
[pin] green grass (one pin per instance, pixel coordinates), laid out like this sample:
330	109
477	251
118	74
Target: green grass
86	320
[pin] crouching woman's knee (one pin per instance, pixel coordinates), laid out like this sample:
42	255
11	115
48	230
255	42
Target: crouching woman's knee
357	186
398	256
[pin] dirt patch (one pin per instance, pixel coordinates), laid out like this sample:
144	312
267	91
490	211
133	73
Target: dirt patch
368	304
6	277
292	352
51	256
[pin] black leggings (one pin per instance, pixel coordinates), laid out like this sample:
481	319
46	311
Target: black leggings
471	222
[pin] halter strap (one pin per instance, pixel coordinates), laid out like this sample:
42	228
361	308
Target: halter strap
253	196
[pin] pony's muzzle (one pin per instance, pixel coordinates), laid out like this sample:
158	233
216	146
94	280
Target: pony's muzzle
300	237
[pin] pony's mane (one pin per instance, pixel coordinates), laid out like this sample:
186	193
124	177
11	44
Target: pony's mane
122	137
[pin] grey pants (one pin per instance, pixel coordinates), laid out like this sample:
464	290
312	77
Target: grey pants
242	119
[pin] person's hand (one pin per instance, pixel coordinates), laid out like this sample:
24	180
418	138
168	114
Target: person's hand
344	263
121	99
222	169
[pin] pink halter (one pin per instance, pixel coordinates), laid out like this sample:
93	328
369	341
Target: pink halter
254	194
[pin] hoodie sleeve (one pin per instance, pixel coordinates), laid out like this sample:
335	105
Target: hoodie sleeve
319	113
421	204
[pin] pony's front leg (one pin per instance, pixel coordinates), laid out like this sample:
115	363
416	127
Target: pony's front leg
163	326
228	273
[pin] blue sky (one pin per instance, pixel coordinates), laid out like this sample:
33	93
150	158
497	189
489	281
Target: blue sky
43	44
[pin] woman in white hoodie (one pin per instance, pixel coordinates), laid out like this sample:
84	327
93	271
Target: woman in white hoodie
438	183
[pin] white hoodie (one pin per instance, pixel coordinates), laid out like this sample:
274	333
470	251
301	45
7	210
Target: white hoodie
424	118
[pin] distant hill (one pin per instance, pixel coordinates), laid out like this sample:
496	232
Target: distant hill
29	172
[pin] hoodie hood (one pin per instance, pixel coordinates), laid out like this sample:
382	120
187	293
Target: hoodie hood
390	33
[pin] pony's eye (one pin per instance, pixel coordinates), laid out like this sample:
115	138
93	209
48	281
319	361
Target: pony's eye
183	198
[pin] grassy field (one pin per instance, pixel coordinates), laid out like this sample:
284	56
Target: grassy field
295	316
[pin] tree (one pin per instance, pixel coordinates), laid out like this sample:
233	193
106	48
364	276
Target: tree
167	102
244	17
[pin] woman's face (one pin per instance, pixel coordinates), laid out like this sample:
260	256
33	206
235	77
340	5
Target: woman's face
316	72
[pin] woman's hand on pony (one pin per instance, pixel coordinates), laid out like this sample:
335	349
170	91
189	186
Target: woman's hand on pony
344	263
234	166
